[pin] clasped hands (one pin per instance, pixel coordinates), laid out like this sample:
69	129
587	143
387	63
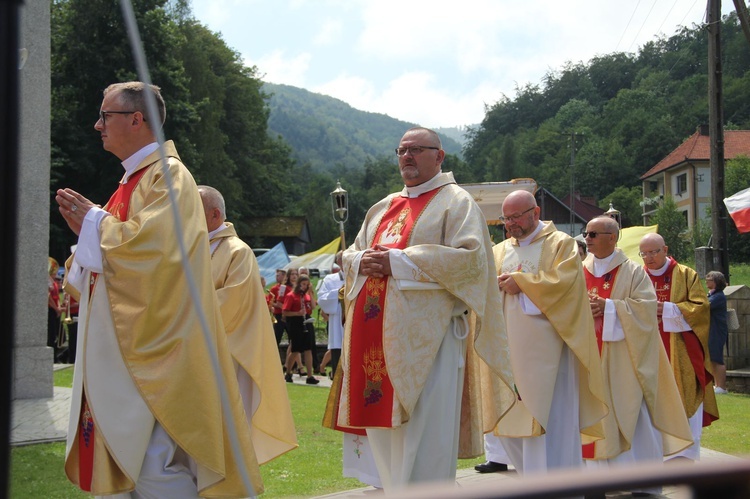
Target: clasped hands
597	304
507	284
376	262
73	208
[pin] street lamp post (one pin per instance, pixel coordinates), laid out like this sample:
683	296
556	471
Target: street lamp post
340	209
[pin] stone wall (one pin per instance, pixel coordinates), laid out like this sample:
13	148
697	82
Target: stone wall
32	359
738	345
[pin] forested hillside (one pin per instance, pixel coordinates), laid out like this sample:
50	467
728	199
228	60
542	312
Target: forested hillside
278	150
627	112
324	131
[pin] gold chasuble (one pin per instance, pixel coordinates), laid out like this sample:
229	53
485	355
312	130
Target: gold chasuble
244	312
688	350
548	271
635	369
438	232
142	354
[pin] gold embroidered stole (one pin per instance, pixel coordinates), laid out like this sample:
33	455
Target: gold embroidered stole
371	394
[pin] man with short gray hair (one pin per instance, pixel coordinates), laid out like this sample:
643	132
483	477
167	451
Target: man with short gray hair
146	416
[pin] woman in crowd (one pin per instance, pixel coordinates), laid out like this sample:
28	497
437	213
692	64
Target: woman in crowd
718	333
311	304
294	312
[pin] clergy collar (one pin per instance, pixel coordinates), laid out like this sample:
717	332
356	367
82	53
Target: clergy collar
660	271
216	231
530	238
438	180
602	264
133	161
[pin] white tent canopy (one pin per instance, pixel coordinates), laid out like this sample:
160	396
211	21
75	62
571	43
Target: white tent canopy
490	195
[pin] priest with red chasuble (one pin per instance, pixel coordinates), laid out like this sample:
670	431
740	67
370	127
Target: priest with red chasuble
145	410
645	421
684	317
421	292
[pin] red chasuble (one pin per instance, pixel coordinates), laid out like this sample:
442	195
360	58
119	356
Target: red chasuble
598	287
371	395
117	206
663	286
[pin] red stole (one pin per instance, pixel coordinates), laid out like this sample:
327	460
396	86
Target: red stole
598	287
663	286
371	395
118	207
602	288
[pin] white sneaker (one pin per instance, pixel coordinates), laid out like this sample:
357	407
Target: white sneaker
719	390
309	321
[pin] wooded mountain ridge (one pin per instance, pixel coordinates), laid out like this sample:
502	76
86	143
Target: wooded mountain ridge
324	131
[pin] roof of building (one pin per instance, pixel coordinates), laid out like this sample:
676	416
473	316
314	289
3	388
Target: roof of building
697	147
583	208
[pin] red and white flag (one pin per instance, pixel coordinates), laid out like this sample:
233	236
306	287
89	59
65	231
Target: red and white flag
738	206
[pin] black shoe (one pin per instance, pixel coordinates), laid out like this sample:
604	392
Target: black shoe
288	378
312	381
491	467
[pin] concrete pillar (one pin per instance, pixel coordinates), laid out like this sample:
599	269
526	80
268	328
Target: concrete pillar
32	359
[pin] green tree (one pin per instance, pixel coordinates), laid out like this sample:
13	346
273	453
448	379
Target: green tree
626	200
90	50
673	228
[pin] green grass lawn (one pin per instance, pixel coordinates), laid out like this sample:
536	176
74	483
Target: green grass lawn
315	468
739	274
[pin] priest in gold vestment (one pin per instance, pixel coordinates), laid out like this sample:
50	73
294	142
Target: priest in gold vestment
421	288
247	322
646	420
146	415
552	344
684	317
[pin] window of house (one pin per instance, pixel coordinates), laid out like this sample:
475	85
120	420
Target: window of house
681	184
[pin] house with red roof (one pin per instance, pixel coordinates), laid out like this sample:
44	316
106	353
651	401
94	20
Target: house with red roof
685	174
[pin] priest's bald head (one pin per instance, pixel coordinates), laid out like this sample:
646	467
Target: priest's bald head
654	251
601	236
520	214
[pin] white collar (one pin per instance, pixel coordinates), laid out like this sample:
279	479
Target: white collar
438	180
602	264
131	163
528	239
660	271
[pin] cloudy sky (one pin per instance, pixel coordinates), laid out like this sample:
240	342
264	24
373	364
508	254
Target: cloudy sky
438	62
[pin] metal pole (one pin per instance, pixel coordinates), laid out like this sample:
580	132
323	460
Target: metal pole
716	135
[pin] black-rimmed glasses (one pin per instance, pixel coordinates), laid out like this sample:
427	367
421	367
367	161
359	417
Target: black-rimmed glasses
103	115
513	218
414	150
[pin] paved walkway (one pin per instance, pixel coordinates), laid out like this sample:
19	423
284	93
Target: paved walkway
46	420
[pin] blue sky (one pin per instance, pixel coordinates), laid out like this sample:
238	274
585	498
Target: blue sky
436	63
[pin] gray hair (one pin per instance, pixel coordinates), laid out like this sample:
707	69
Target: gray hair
214	199
132	94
